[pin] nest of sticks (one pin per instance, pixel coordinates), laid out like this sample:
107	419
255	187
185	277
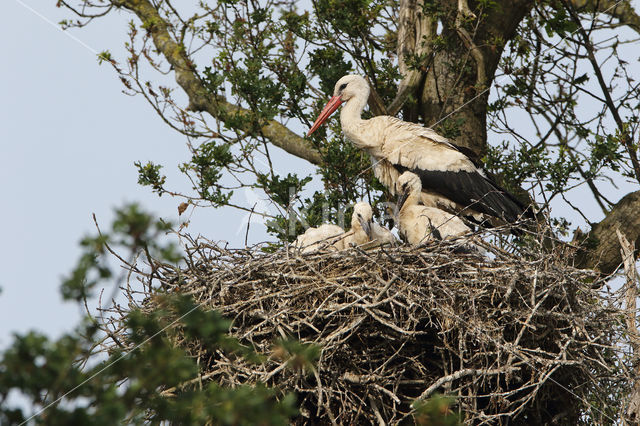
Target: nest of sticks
521	339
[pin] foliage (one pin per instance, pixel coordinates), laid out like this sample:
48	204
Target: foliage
548	79
127	386
133	230
436	411
145	377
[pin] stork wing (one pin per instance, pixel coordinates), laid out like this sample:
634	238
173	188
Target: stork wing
414	146
471	190
444	168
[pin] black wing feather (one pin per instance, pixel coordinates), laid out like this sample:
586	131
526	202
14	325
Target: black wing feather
472	190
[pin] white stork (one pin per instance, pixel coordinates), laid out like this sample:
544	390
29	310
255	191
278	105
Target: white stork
324	237
381	235
450	180
365	231
360	232
417	223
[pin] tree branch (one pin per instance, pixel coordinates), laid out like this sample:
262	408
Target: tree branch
631	294
600	247
199	98
464	14
624	134
621	10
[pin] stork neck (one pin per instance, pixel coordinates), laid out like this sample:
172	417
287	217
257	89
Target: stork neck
359	235
351	114
413	199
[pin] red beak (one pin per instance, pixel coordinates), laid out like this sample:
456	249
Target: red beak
328	109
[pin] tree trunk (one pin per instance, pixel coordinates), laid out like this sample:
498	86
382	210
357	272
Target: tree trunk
454	92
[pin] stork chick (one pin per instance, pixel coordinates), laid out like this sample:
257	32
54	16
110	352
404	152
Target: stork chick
324	237
382	236
418	223
364	231
360	232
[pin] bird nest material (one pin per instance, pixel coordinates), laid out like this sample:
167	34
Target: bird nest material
520	339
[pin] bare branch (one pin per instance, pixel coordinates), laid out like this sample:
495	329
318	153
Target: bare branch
621	10
624	134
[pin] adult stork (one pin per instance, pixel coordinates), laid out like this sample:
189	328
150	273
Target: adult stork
450	180
417	223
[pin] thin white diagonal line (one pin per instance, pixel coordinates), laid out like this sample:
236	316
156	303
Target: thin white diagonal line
46	407
56	26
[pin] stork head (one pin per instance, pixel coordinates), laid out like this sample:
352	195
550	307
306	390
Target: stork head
407	184
351	86
348	87
362	216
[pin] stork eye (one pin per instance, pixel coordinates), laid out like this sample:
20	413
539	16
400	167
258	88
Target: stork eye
342	87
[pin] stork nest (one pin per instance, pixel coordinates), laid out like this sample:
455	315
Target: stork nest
521	339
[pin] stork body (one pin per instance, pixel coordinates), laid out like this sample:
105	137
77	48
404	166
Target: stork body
364	231
418	223
360	231
324	237
450	180
381	235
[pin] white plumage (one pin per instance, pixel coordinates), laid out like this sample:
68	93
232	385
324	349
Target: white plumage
450	180
364	232
360	231
417	223
324	237
381	235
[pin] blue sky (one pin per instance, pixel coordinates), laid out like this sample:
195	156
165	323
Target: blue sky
68	141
